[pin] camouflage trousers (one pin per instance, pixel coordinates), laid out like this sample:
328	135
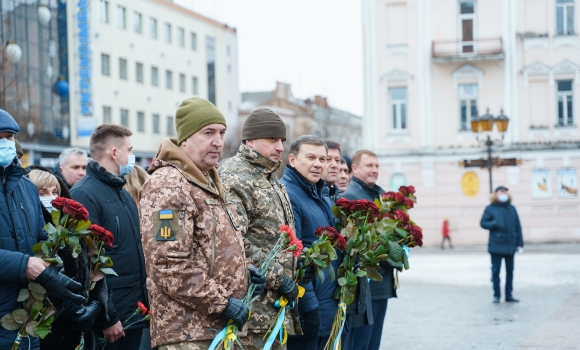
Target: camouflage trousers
250	342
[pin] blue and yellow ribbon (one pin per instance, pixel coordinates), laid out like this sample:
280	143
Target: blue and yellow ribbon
228	335
279	326
342	308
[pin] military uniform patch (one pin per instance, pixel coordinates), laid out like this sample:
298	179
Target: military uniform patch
162	224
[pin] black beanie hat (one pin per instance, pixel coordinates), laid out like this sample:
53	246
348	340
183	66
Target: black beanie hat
263	123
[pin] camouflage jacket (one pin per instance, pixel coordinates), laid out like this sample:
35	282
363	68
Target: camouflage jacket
263	205
193	252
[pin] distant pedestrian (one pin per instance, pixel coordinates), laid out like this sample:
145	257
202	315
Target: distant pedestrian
505	238
109	205
445	233
72	166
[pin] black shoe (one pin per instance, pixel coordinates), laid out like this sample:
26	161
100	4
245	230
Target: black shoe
496	300
511	300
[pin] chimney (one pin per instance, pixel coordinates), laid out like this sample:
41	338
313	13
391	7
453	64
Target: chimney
283	91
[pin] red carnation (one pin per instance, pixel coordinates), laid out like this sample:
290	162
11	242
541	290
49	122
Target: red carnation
76	210
58	203
401	216
143	308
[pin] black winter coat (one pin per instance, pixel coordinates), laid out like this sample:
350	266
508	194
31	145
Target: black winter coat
505	230
112	207
22	227
384	289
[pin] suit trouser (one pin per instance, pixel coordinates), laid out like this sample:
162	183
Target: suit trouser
369	337
509	275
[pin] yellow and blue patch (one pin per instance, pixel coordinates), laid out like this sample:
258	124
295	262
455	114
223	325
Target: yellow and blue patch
166	214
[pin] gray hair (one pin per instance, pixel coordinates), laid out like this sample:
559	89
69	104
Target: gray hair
63	158
306	140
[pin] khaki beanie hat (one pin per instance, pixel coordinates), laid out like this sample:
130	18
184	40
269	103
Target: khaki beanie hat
193	115
263	123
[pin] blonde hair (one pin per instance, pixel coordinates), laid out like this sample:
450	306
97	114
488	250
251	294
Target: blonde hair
43	179
135	180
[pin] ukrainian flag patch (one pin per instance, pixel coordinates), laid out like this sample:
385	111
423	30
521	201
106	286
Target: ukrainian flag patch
166	214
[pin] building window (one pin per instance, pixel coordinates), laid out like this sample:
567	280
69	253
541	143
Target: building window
140	121
125	117
156	123
565	17
210	57
399	108
138	22
170	127
104	11
167	32
229	68
193	41
194	86
153	27
154	76
467	25
565	104
139	72
169	79
181	37
121	19
182	82
105	64
467	104
107	115
122	68
228	50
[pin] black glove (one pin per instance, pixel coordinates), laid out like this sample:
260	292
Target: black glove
60	286
257	279
311	325
308	272
237	311
288	289
84	318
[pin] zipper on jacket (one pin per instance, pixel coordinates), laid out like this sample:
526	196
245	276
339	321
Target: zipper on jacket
212	245
7	195
26	217
118	227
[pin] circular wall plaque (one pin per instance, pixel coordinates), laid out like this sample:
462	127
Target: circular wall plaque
470	184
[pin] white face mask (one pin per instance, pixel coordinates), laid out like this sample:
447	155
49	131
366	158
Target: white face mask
502	197
46	201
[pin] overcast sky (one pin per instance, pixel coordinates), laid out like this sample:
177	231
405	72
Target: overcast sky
314	45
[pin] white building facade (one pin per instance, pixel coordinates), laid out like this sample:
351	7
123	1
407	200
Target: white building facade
133	62
431	66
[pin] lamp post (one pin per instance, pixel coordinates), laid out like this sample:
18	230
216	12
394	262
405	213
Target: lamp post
484	125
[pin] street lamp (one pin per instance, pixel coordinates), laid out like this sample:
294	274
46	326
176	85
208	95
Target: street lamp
484	125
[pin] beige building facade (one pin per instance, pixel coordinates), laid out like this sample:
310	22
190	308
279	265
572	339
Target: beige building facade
432	66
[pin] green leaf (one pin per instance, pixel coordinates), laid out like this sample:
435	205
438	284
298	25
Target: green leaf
8	323
37	296
37	248
73	242
55	217
342	281
83	225
45	249
20	316
331	273
401	232
108	271
43	328
23	295
373	274
36	288
336	212
361	273
395	263
395	251
30	329
320	263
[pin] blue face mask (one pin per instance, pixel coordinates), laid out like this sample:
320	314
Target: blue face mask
7	152
126	169
502	197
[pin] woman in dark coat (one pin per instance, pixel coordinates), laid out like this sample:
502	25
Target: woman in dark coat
71	320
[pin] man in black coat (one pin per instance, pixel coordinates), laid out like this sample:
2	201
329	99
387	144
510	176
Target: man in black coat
365	169
109	205
505	238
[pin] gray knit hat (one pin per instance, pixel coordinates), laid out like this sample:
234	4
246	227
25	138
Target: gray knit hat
263	123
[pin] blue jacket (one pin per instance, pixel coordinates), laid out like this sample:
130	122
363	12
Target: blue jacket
312	208
22	227
503	223
385	289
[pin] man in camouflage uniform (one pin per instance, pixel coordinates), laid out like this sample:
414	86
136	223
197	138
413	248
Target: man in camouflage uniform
196	267
263	206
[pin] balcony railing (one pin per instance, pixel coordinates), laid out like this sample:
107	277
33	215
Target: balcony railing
474	50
